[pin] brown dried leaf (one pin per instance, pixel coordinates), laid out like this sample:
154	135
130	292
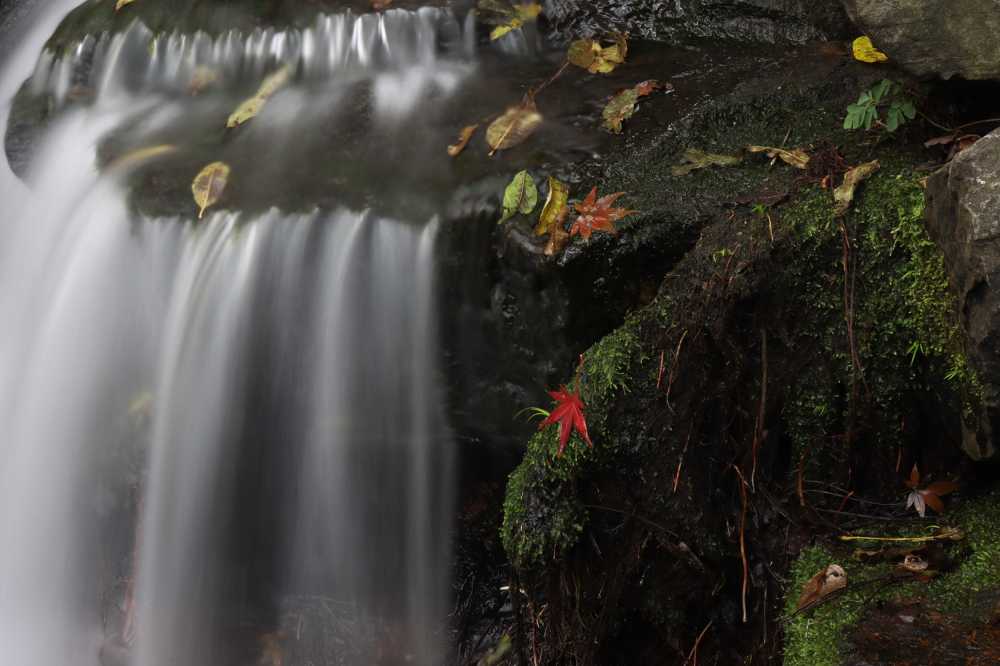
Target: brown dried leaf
797	158
843	196
463	140
513	127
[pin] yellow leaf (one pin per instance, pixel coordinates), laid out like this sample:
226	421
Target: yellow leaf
252	106
463	140
597	59
209	185
865	51
512	17
122	3
797	158
699	159
844	195
513	127
137	157
555	208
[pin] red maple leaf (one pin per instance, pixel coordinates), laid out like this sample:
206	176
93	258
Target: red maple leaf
569	414
597	214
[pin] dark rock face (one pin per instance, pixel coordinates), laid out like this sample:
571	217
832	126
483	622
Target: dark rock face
934	38
964	218
743	20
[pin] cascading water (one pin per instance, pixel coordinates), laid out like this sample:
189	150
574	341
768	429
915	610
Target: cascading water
258	383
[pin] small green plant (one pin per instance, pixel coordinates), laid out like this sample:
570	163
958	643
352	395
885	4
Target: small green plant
885	95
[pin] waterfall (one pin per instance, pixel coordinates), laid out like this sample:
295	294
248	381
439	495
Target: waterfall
208	428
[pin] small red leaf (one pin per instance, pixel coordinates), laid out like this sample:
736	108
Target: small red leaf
933	501
941	488
569	414
597	214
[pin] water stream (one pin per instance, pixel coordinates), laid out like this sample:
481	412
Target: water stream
209	427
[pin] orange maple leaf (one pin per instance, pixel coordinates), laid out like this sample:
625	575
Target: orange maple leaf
597	214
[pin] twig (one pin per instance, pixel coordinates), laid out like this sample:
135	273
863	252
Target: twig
799	487
743	545
758	431
659	374
692	657
945	536
674	362
680	463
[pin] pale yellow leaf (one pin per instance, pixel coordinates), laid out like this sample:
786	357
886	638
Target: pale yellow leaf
209	185
513	127
556	207
844	194
140	155
797	158
597	59
252	106
865	51
122	3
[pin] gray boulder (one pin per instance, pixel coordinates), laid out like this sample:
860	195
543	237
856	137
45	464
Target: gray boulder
770	21
963	217
934	37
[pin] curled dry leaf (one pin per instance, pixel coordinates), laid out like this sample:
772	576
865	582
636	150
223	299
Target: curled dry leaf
122	3
463	140
252	106
699	159
865	51
209	185
521	196
622	106
597	59
556	208
514	126
598	215
843	196
797	158
824	583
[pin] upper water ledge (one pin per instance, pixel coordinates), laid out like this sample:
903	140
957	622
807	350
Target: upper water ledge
214	17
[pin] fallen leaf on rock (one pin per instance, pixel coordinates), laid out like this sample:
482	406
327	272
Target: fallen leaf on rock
699	159
556	208
558	240
252	106
597	59
209	185
824	583
463	140
622	106
597	214
122	3
568	413
843	196
797	158
865	51
521	196
514	126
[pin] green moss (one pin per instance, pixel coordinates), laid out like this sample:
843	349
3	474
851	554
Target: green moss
543	516
980	520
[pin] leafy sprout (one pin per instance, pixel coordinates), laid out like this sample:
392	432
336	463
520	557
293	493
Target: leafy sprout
887	96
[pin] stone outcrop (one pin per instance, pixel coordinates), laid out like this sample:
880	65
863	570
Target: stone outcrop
943	38
768	21
964	218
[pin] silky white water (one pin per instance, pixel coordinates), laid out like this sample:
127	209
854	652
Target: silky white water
251	403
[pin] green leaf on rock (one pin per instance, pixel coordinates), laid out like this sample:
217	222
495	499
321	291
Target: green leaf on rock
521	196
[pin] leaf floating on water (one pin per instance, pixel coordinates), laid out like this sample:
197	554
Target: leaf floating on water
136	157
699	159
598	215
506	17
865	51
797	158
201	79
597	59
556	208
521	196
209	185
622	106
122	3
463	140
843	196
513	127
252	106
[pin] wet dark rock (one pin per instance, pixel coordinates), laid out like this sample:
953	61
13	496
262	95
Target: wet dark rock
963	216
770	21
943	38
